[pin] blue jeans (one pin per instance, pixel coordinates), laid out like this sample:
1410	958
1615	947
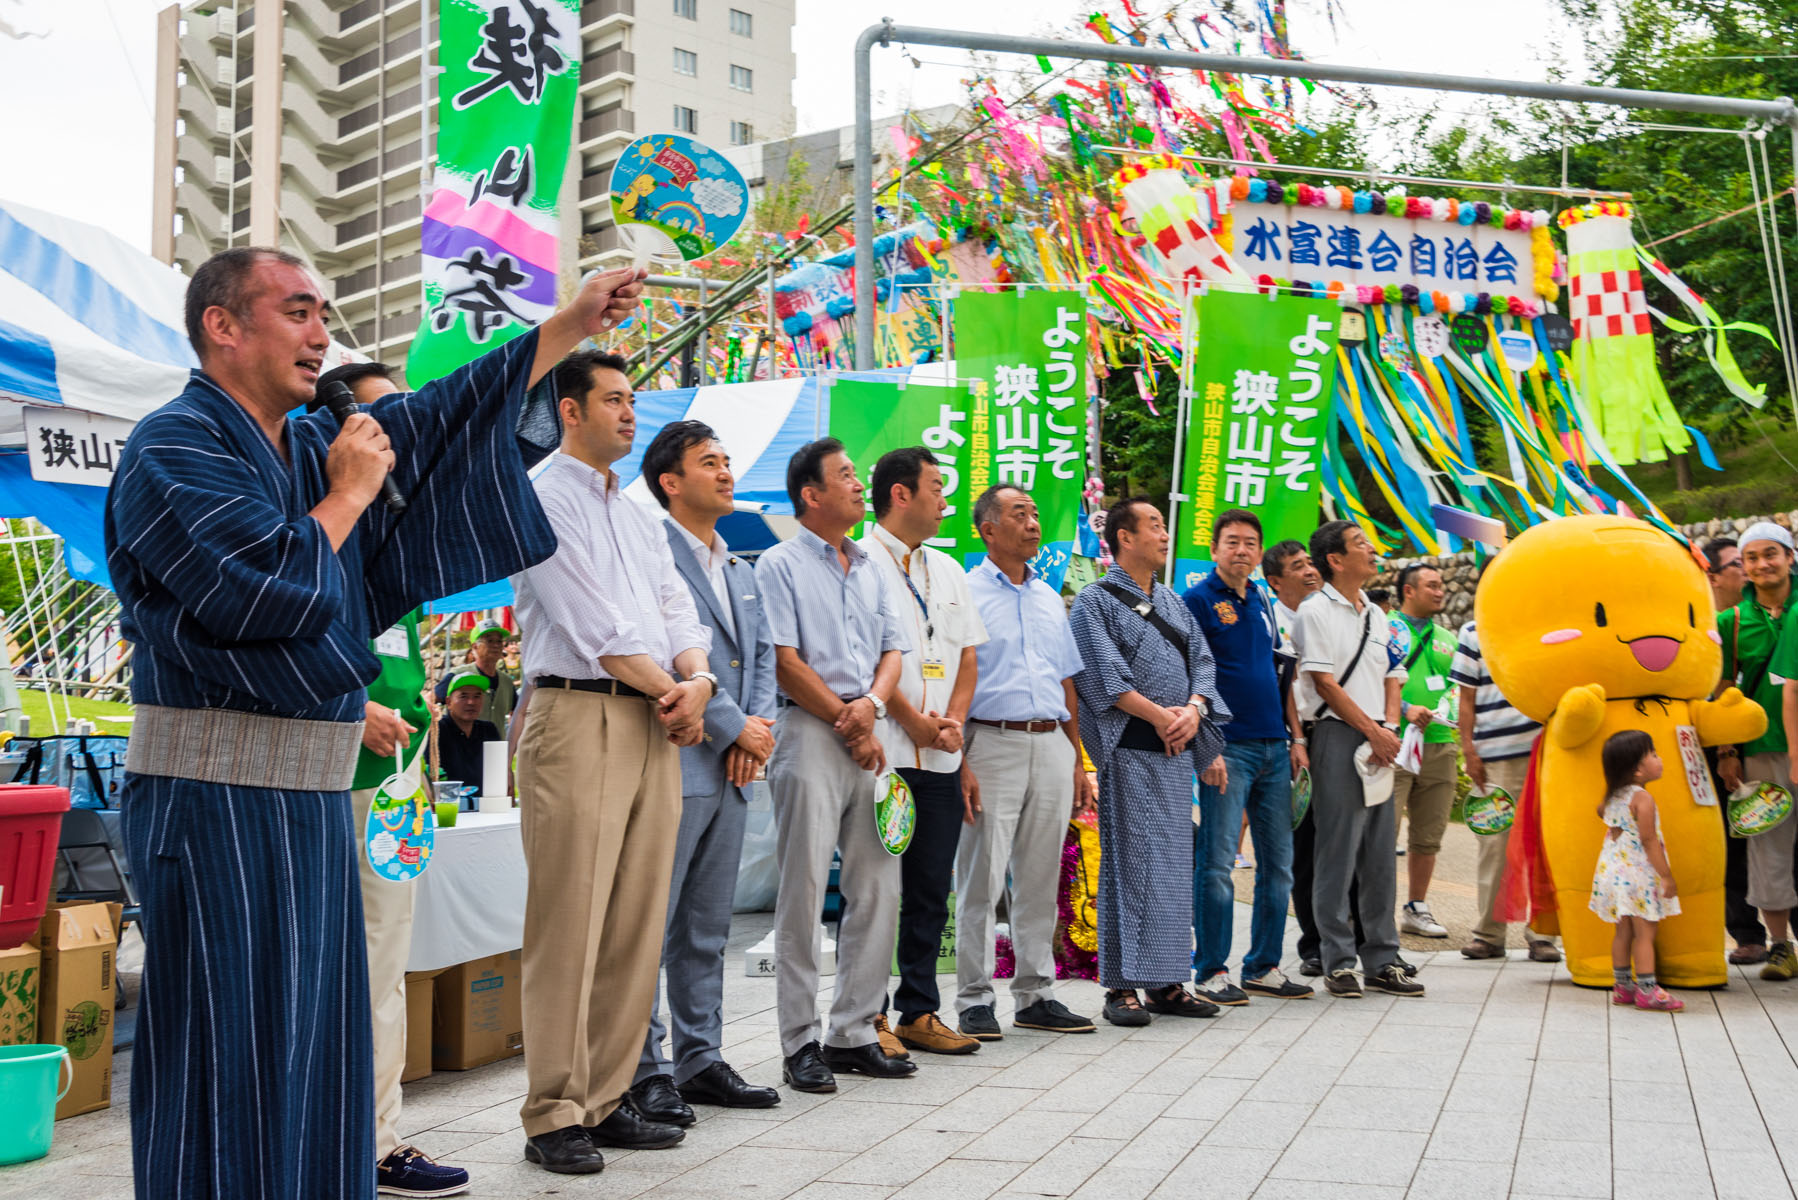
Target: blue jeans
1260	783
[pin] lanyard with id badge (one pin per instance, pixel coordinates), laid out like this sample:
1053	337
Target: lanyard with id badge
930	667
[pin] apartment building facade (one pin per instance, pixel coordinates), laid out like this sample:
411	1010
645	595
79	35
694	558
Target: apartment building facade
305	123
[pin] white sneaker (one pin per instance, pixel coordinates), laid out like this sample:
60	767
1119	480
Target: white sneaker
1415	918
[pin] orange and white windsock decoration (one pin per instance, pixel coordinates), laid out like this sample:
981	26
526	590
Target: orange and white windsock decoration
1176	221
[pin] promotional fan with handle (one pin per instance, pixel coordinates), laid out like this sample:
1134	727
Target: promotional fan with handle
675	199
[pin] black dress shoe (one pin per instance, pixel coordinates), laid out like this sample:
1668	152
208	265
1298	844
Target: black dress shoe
656	1100
1312	967
804	1070
868	1060
565	1151
627	1129
719	1084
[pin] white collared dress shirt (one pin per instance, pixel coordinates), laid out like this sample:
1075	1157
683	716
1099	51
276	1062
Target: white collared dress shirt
611	587
928	596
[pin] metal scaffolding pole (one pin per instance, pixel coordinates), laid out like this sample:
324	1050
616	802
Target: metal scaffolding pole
1780	111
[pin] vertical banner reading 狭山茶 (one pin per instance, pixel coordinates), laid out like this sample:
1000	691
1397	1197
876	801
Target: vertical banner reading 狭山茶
505	105
871	417
1261	375
1029	349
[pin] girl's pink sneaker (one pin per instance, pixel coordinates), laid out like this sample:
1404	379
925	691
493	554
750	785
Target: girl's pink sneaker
1624	994
1658	1001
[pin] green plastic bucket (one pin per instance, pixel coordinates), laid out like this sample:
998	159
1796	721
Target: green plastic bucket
31	1082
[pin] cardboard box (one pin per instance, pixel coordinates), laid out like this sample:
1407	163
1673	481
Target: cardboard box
478	1015
76	996
19	970
421	986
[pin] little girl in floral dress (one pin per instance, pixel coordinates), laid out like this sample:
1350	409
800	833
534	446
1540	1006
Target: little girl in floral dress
1632	886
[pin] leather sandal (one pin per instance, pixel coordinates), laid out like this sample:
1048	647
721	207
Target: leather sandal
1175	1001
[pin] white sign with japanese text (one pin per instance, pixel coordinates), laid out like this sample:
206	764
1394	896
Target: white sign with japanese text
1365	250
74	447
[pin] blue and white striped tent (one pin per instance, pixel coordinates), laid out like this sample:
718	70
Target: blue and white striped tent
89	322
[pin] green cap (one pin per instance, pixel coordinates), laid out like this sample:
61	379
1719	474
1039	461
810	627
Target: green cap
470	678
487	627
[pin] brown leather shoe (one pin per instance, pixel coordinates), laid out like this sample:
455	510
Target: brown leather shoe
929	1033
1480	948
890	1045
1542	950
1742	956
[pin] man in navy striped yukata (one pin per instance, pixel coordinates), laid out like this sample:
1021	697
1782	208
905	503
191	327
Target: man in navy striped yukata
252	566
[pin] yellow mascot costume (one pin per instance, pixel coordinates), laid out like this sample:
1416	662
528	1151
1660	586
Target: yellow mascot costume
1595	624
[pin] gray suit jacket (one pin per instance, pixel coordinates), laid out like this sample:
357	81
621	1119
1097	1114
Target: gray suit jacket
744	665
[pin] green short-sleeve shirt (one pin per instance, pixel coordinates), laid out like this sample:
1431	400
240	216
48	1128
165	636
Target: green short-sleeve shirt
1431	654
400	686
1760	652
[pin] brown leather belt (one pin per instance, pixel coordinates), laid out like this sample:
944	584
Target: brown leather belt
1020	726
605	687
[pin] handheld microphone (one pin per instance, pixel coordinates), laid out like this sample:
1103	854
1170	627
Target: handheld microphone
337	397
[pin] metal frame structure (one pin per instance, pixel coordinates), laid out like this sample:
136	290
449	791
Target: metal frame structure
1780	111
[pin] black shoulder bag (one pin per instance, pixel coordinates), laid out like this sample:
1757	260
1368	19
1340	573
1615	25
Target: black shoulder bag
1139	734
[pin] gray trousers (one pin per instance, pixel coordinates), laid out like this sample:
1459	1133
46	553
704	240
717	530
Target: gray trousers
1351	839
707	851
824	802
1026	798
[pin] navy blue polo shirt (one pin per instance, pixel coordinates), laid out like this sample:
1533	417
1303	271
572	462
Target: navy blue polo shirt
1241	633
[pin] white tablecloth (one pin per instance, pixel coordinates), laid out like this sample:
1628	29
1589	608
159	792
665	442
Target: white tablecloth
470	903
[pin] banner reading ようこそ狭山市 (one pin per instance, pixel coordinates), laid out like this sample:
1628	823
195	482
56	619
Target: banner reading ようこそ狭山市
505	103
1261	380
1029	347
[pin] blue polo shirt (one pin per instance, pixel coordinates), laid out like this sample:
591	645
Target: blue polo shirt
1241	633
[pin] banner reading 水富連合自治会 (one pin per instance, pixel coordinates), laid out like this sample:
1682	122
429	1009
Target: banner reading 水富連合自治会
1261	381
1029	348
505	106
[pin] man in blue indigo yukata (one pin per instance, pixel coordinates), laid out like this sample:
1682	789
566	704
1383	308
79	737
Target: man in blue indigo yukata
253	566
1149	716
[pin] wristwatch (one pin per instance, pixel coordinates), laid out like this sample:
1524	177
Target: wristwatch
880	706
708	677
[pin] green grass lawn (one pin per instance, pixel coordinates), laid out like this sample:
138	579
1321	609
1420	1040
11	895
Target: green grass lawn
46	713
1754	480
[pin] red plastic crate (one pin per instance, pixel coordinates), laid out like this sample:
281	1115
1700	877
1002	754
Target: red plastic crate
30	823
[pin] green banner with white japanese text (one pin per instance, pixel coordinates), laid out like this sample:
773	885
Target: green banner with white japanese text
872	417
505	107
1028	349
1260	387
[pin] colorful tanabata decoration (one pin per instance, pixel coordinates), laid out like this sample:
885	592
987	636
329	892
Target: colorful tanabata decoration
1613	346
1176	221
676	198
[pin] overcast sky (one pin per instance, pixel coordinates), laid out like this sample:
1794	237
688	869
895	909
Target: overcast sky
75	104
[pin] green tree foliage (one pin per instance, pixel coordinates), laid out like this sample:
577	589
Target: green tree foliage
1678	179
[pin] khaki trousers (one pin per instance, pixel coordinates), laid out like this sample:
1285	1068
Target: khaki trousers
599	788
1509	774
387	930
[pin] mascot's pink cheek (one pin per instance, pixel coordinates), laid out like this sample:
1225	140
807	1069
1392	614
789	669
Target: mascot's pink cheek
1559	636
1715	636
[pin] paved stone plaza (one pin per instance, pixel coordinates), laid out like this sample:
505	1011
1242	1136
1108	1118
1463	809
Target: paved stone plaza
1506	1080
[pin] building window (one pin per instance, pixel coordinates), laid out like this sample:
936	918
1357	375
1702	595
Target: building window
741	23
685	62
687	8
741	134
742	79
685	119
